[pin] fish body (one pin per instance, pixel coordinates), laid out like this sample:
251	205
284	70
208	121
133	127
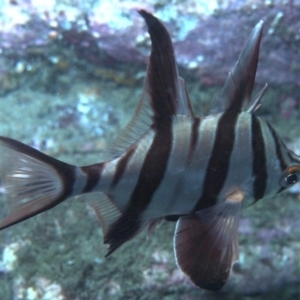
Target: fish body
168	164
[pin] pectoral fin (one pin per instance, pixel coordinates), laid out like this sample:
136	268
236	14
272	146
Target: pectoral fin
206	244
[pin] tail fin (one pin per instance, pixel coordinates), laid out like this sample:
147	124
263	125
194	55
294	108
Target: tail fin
31	181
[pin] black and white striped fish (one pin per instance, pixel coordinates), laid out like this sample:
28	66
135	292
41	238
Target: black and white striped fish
168	164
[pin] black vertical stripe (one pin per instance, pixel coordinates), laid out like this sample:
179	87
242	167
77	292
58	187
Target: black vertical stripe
279	153
259	164
219	161
93	173
153	169
151	175
194	137
121	166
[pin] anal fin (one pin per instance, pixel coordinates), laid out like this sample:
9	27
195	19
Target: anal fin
105	208
118	224
126	228
206	243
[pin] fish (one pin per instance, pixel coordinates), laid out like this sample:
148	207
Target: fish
168	164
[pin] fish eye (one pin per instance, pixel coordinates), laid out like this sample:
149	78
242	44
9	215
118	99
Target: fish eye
290	177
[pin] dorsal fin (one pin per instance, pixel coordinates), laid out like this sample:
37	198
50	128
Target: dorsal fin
164	94
167	92
238	87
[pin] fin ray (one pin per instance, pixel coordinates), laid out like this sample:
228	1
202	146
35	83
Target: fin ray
105	208
255	104
137	126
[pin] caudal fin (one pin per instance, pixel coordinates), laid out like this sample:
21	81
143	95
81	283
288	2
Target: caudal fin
31	182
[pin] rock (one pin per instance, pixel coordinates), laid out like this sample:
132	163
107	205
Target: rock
207	38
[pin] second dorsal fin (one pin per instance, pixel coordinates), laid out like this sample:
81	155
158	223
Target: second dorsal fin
164	93
166	90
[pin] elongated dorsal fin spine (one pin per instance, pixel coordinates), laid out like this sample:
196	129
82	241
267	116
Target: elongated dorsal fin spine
238	87
255	104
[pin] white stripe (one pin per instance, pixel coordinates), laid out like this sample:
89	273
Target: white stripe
239	175
80	182
273	164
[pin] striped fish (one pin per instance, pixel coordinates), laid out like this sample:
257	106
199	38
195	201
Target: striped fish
168	164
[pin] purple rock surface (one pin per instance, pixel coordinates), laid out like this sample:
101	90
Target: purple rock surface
207	37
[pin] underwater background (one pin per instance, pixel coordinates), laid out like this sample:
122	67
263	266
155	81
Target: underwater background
71	74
